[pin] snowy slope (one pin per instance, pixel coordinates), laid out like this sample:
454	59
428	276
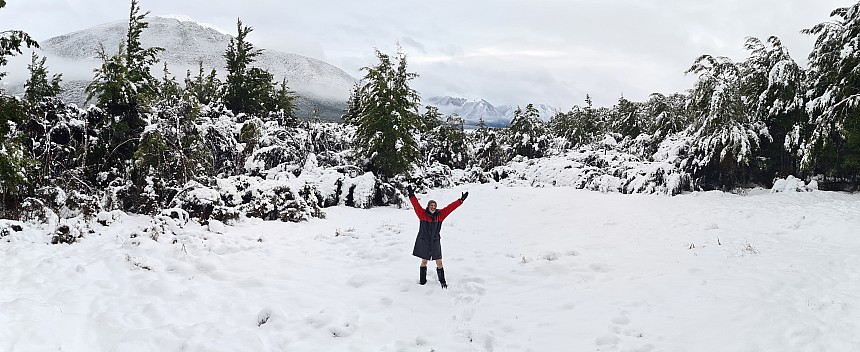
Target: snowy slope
529	269
188	43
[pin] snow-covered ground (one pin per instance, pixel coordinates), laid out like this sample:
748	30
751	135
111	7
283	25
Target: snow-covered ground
529	269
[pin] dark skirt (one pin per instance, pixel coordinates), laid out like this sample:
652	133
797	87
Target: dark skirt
428	248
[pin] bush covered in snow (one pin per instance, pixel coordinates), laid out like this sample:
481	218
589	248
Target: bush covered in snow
793	184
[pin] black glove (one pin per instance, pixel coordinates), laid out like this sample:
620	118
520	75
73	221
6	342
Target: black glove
463	197
410	191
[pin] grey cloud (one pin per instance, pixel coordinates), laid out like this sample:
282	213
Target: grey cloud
408	41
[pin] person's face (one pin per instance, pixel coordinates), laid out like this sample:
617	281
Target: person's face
432	207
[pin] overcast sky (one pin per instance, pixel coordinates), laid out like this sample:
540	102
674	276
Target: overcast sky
507	52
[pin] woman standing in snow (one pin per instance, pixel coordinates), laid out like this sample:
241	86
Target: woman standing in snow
428	245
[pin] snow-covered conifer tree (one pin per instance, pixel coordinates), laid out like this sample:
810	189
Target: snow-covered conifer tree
579	126
489	149
834	96
39	86
726	134
772	89
385	110
527	135
446	144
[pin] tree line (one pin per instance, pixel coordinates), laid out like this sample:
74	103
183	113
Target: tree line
742	123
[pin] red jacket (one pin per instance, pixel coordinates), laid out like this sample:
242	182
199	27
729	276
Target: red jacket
428	245
441	214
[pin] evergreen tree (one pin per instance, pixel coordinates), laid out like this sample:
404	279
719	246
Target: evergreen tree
258	92
246	88
111	85
665	115
123	85
431	118
138	59
726	134
353	104
12	160
626	118
579	126
772	89
527	135
284	101
171	153
205	88
38	86
446	143
13	180
834	92
489	150
170	93
385	110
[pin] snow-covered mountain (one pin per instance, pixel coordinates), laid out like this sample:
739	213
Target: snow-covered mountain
187	43
473	110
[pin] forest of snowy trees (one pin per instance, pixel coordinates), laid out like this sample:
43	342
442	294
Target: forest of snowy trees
226	149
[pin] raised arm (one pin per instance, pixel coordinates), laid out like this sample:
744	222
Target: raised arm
443	213
419	211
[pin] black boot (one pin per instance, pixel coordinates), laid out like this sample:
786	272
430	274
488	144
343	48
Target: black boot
440	272
422	279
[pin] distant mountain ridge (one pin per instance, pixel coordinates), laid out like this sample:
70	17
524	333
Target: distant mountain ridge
472	111
187	43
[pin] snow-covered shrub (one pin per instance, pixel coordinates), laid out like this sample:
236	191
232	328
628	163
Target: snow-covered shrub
360	191
436	175
274	201
226	157
65	234
34	210
387	194
499	173
67	204
198	200
330	138
9	226
80	203
226	215
595	169
793	184
472	175
269	157
447	144
108	217
177	214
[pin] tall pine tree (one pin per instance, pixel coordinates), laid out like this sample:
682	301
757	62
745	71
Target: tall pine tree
12	160
772	88
489	149
579	126
385	110
139	60
206	89
39	86
726	134
124	86
834	92
527	134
